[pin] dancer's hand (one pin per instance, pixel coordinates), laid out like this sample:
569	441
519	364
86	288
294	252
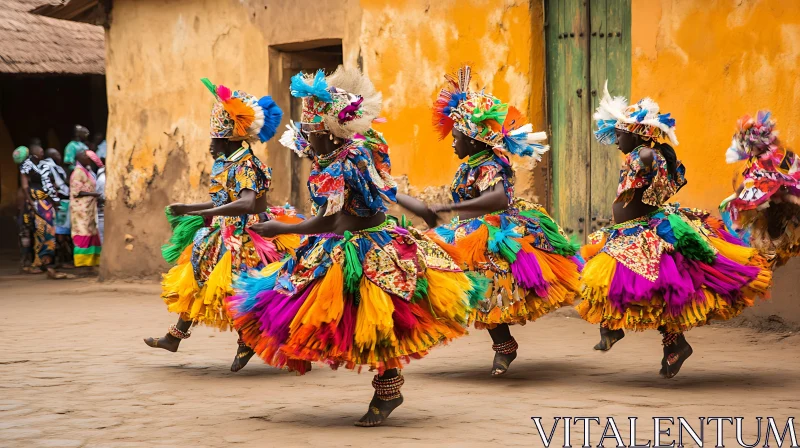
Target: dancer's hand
431	218
178	209
439	208
267	229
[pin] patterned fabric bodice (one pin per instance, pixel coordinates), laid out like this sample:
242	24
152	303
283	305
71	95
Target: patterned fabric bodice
241	171
481	172
656	179
354	179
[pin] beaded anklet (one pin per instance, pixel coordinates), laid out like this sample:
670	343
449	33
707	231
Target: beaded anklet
175	332
388	389
669	338
506	348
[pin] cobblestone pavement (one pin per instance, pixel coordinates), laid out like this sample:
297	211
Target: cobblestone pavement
75	372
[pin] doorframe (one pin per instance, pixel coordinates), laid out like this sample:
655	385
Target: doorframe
285	60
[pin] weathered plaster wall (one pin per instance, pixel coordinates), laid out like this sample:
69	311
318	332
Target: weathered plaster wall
709	62
157	51
408	45
158	110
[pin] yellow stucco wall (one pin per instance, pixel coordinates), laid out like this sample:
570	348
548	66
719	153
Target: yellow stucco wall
157	51
708	63
158	111
407	47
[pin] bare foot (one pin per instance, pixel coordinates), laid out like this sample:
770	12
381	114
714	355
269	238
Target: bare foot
55	275
379	411
502	362
674	356
243	355
608	338
168	342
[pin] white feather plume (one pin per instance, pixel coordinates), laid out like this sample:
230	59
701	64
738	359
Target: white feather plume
352	81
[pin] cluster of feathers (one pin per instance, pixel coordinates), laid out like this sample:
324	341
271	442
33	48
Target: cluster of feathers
255	119
344	88
615	113
517	138
752	133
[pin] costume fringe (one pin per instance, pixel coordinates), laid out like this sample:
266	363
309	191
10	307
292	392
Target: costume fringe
327	321
701	279
523	282
183	231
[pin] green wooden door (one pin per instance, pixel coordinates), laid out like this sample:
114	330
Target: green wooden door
588	41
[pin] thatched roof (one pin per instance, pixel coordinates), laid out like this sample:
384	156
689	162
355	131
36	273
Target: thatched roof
27	5
36	44
86	11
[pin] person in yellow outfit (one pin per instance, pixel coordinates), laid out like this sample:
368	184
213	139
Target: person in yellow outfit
212	241
660	267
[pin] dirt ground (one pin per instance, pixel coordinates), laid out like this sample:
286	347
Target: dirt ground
75	372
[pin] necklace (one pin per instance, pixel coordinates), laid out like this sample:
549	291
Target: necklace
477	159
326	159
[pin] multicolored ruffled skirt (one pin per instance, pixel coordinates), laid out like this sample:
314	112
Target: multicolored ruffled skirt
768	207
675	268
773	230
531	265
377	297
216	251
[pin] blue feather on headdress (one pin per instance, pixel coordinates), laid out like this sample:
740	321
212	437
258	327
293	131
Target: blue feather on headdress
272	118
667	120
763	116
519	145
605	132
318	88
453	103
639	115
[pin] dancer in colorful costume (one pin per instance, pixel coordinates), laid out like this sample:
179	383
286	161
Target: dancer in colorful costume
513	243
766	203
661	266
212	241
365	289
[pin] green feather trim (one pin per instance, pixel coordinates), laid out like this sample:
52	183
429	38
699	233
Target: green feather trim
561	245
210	86
421	290
497	112
183	231
480	284
506	247
352	269
690	243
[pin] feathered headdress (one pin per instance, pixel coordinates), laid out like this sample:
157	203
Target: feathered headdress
752	134
481	116
640	118
238	115
344	103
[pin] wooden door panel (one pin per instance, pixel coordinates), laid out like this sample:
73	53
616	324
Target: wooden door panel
610	60
568	104
588	41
